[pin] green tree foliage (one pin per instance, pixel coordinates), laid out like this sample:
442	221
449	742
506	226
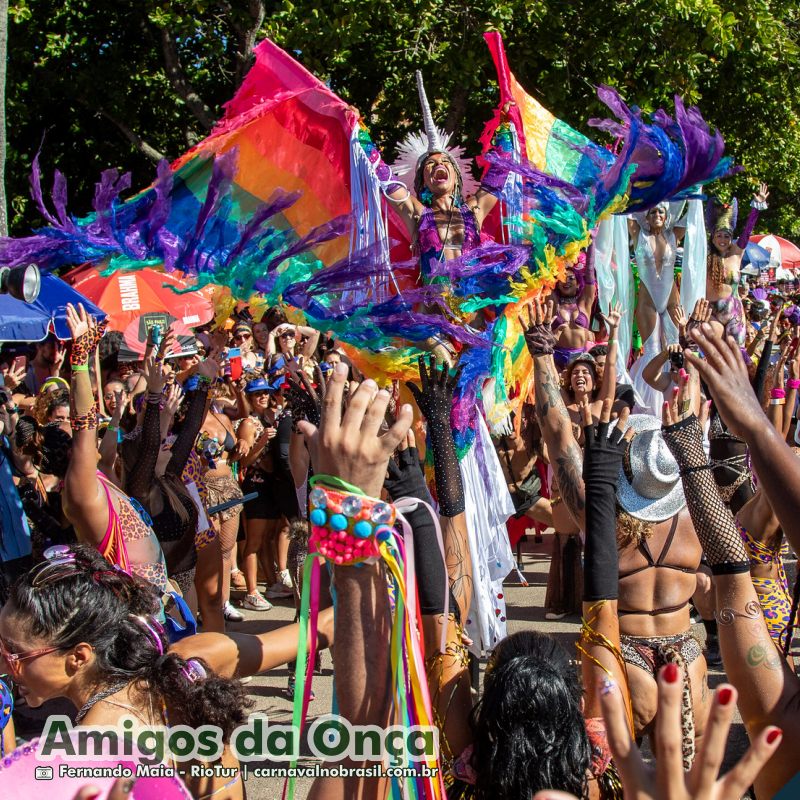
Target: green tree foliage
120	83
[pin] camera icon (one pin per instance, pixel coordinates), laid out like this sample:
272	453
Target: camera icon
43	773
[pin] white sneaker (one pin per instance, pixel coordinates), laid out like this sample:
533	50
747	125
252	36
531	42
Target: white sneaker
231	614
554	615
255	602
285	578
279	589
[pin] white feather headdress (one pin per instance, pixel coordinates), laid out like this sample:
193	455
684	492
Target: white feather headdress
417	146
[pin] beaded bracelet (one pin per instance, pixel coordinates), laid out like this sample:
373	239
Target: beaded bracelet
777	394
793	383
346	526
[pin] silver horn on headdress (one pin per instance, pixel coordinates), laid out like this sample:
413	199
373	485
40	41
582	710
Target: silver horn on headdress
435	144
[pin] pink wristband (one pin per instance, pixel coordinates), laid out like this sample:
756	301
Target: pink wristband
793	383
777	394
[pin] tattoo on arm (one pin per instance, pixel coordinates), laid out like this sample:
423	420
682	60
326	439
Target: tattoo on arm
458	563
569	473
549	398
764	654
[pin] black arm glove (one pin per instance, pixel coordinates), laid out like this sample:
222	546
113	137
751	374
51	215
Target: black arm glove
713	522
601	464
192	422
435	400
406	479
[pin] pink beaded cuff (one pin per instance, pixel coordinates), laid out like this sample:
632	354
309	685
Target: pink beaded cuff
348	528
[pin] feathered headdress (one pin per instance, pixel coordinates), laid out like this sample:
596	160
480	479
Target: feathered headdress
416	147
721	216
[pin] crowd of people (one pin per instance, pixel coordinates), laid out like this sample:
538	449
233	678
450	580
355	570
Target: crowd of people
120	532
279	455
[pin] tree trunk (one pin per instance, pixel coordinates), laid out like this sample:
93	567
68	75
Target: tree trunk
3	59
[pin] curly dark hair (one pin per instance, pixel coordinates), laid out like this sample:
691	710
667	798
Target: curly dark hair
528	727
48	446
98	604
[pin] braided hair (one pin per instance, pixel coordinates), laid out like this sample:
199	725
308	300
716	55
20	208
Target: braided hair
91	601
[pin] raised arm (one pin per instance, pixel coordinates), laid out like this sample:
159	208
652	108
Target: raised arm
609	385
654	374
768	689
565	455
757	205
108	444
142	473
195	414
84	499
600	633
589	293
347	447
778	469
764	358
435	399
792	385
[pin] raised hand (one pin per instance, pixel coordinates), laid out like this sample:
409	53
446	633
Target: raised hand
725	374
668	781
435	398
613	318
84	331
156	377
119	407
680	405
209	368
14	377
405	478
603	452
701	312
538	329
762	194
679	317
174	397
58	360
350	446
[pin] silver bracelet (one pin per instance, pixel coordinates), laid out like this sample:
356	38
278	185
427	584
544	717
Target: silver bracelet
397	201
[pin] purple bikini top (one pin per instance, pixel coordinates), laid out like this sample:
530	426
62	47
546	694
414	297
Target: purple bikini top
581	320
430	243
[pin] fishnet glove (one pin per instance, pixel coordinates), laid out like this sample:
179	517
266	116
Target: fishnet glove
540	340
712	520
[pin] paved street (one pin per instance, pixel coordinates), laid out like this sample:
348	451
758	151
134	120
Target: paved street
525	609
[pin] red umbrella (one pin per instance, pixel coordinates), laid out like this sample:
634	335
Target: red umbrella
787	254
125	296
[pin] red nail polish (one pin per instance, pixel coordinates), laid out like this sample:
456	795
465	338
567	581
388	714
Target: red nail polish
725	695
773	735
671	673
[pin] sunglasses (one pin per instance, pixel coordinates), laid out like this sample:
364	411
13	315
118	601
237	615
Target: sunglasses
288	335
13	660
242	336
